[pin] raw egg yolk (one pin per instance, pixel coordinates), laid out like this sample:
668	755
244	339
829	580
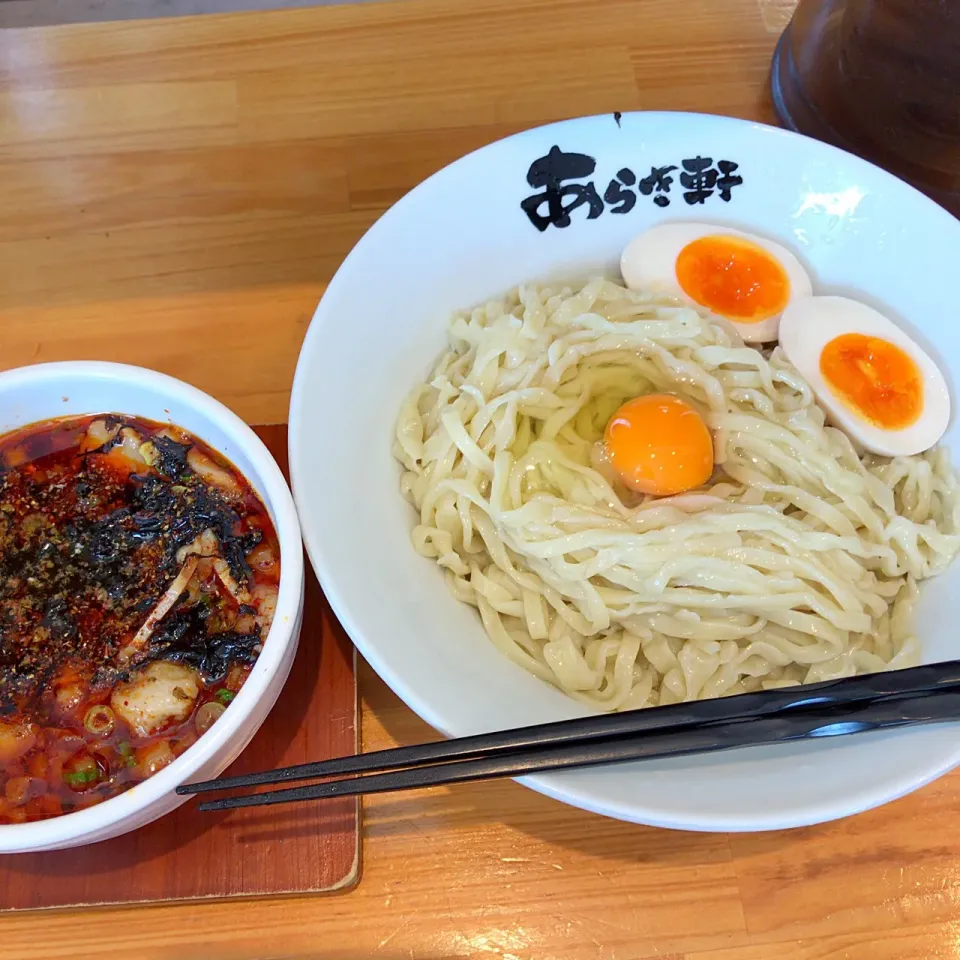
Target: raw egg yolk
733	277
658	444
876	379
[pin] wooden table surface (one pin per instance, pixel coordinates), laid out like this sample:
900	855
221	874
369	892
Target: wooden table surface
176	193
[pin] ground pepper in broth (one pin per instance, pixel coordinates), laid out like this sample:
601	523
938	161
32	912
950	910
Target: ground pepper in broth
138	579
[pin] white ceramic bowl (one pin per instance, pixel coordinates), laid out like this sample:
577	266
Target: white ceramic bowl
29	394
460	237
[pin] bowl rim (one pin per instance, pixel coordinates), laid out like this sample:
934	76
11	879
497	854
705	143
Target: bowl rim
555	785
69	828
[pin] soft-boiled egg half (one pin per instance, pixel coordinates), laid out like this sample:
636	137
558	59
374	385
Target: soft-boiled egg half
658	444
744	278
874	382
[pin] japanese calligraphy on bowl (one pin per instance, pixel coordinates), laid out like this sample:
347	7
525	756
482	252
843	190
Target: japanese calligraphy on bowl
560	176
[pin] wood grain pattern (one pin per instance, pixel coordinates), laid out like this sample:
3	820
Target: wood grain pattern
194	856
41	13
199	179
173	188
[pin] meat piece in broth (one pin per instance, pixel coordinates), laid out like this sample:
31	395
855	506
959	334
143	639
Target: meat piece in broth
16	739
213	474
156	697
98	435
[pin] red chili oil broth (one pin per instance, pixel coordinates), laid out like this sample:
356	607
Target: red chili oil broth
93	537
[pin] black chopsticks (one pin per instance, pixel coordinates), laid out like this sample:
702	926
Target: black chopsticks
926	694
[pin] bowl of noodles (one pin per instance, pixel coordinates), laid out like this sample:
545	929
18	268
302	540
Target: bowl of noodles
639	409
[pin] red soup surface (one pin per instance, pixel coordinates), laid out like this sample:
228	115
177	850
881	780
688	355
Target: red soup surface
138	581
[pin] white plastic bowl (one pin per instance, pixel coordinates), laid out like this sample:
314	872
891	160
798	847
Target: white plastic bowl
462	236
45	391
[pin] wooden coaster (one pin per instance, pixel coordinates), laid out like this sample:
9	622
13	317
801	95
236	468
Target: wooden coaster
296	849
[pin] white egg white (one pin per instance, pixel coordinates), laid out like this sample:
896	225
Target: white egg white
649	263
808	325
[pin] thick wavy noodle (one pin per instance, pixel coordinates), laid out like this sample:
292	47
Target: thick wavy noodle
798	562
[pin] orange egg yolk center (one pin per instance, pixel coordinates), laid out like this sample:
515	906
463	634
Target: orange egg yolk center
658	444
733	277
876	379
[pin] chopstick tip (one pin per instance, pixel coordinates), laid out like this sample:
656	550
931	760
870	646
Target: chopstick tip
187	789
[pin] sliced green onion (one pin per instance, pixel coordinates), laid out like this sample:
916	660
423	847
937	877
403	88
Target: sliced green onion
100	720
126	753
224	696
79	777
208	715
